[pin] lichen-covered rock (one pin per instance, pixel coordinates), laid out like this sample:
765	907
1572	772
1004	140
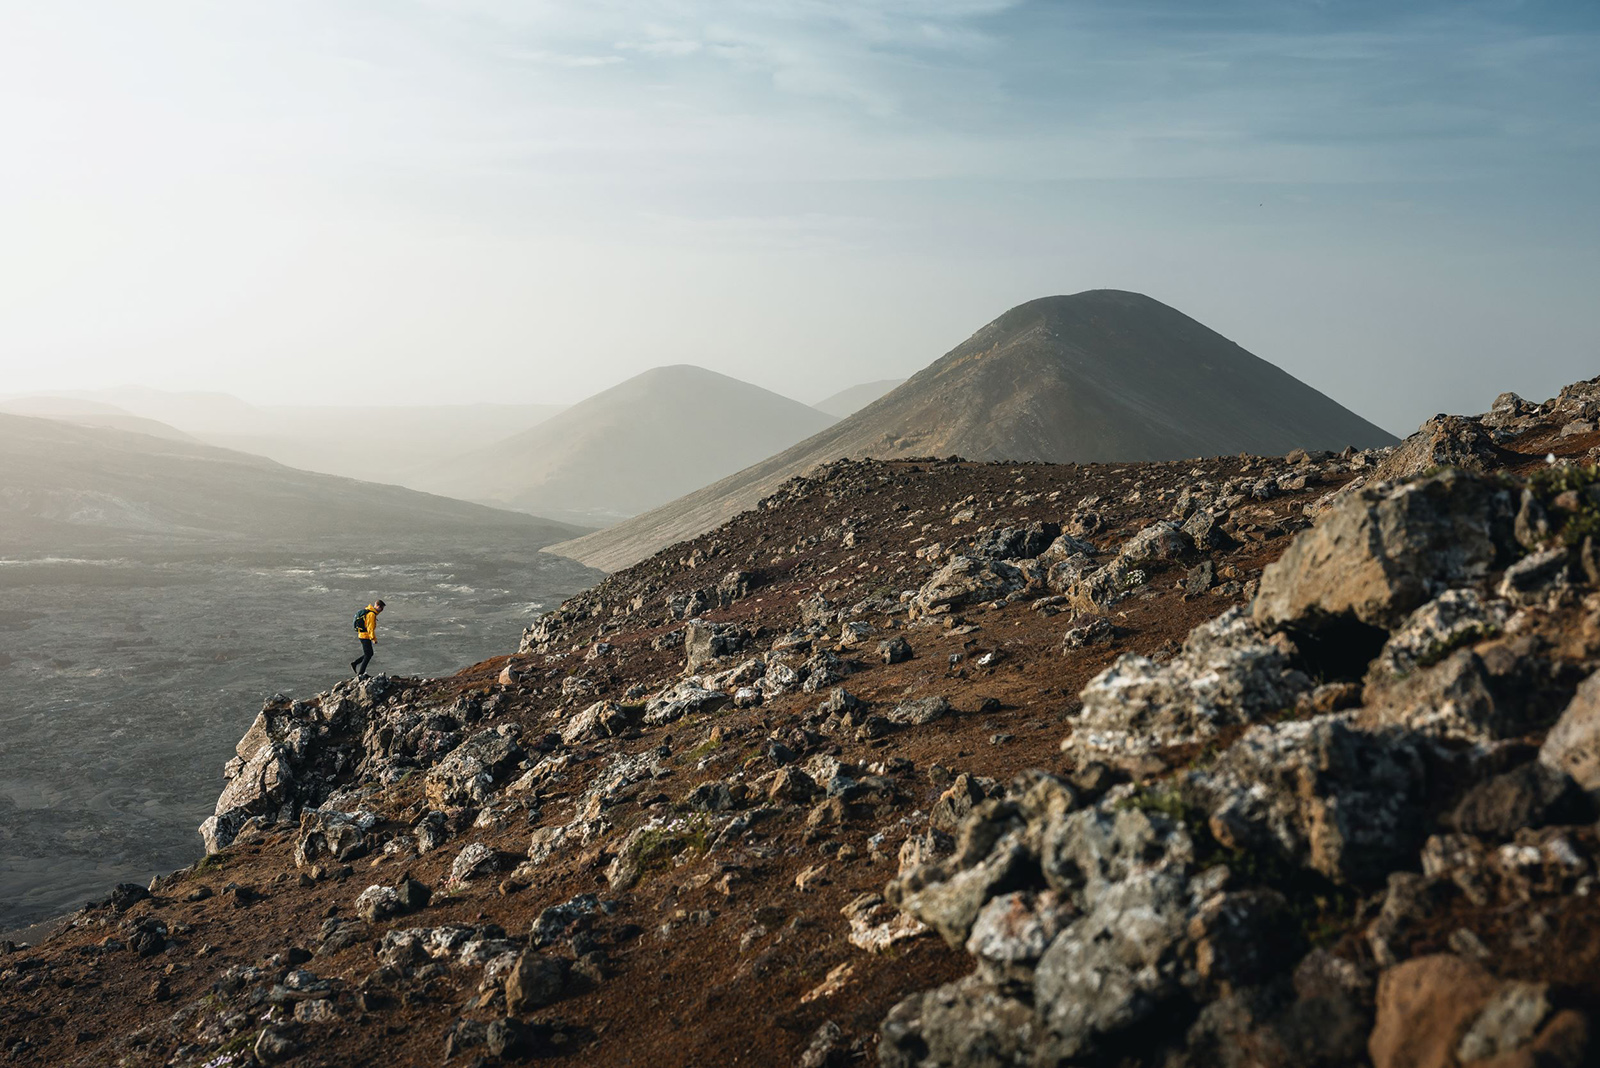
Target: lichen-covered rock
1064	575
557	920
948	894
1573	744
1101	588
327	834
1443	441
377	903
681	699
1128	873
823	671
470	773
1530	579
603	719
919	711
894	650
1065	547
876	926
1227	674
967	580
1115	966
1017	543
1015	929
1319	793
474	861
705	643
1380	554
965	1024
262	787
1160	542
1449	621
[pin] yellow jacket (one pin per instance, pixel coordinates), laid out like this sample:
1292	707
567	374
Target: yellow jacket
369	626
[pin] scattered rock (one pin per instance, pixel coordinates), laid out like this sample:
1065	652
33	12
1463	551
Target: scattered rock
377	903
919	711
473	862
535	982
894	650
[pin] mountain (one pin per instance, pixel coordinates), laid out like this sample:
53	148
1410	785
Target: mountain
90	413
1104	375
847	402
637	445
370	442
62	484
194	412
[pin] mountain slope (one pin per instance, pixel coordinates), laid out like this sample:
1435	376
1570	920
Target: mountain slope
847	402
635	446
375	443
62	484
1105	375
90	413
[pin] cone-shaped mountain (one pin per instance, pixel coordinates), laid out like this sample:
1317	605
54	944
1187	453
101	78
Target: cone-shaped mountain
1104	375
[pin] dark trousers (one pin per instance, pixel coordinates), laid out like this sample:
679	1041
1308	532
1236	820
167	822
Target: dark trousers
359	665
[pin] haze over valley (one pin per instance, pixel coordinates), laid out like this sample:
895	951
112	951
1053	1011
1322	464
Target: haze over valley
911	534
153	592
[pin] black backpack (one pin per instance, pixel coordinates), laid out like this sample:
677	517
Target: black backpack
361	619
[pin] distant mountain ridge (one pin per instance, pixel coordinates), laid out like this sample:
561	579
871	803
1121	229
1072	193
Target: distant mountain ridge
64	485
1105	375
848	402
630	448
90	413
374	443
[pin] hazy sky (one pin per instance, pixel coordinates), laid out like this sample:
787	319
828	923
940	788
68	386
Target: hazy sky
420	200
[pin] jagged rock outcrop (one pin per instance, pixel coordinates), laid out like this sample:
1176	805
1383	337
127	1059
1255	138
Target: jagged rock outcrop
1381	554
1179	897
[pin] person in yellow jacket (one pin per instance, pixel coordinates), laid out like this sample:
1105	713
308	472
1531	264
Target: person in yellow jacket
367	630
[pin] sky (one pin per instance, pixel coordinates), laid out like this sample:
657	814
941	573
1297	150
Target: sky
420	201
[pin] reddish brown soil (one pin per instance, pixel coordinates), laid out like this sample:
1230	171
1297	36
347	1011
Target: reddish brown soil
691	995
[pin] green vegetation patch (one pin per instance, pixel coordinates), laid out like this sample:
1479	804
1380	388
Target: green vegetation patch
1582	520
656	849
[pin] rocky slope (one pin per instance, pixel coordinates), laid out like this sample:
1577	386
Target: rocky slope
1252	761
630	448
1100	376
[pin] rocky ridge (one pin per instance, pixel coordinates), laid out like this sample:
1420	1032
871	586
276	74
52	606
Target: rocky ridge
1256	761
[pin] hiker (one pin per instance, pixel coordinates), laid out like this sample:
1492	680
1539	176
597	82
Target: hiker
367	630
